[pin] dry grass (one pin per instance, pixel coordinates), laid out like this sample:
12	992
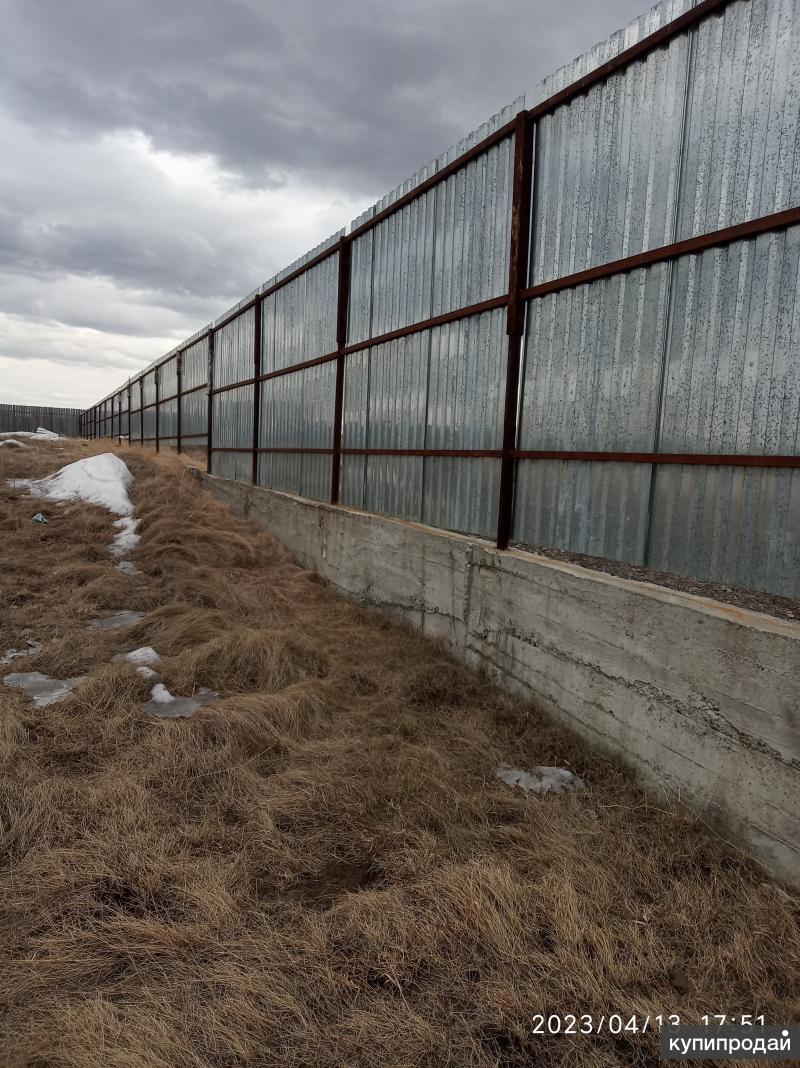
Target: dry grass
320	869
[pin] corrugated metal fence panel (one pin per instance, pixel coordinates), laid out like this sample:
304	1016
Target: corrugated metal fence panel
135	419
466	393
299	319
233	350
473	222
439	389
733	384
385	407
233	428
297	412
606	171
591	381
149	387
124	405
194	365
194	407
233	410
30	416
742	156
168	408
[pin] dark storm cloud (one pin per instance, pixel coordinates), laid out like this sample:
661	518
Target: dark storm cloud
160	159
359	92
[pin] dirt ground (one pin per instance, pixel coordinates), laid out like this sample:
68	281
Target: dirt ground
321	869
768	603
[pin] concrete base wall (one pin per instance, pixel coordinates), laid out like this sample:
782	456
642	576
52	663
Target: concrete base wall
702	699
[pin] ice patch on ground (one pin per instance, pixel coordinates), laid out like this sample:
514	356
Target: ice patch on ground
123	618
167	706
127	539
13	441
145	655
127	567
44	690
17	654
101	480
542	780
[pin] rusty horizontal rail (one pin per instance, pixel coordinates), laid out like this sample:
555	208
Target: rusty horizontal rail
580	455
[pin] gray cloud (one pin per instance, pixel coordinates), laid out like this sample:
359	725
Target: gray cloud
359	92
162	159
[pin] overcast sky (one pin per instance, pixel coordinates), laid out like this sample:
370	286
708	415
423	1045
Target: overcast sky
161	159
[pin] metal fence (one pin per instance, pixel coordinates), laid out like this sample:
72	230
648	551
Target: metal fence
65	421
579	328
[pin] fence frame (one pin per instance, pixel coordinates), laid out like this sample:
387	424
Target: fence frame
522	129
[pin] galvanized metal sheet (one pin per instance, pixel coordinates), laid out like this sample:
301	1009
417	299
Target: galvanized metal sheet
438	389
168	378
149	386
168	419
742	149
234	350
194	414
299	320
232	419
297	412
194	365
737	526
606	173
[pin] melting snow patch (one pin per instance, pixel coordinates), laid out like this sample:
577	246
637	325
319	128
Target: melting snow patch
541	780
102	480
127	539
166	706
13	441
43	689
17	654
125	618
40	434
145	655
146	672
127	567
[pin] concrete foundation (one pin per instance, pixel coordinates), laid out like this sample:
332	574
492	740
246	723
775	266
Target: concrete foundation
701	698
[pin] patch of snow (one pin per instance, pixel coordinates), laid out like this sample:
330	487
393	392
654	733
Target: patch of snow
17	654
542	780
40	434
145	655
127	567
13	441
102	480
146	673
43	689
124	618
127	539
166	706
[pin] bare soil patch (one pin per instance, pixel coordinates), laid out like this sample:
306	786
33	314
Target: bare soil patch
321	868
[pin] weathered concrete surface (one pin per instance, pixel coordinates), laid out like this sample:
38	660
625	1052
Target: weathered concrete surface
701	698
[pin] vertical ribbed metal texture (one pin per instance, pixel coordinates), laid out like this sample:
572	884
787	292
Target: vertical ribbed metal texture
299	319
168	408
29	417
695	355
297	412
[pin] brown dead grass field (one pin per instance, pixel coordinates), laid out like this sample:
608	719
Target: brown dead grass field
321	869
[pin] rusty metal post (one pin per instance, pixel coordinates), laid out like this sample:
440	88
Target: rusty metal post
179	417
258	310
210	413
517	279
342	305
157	376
